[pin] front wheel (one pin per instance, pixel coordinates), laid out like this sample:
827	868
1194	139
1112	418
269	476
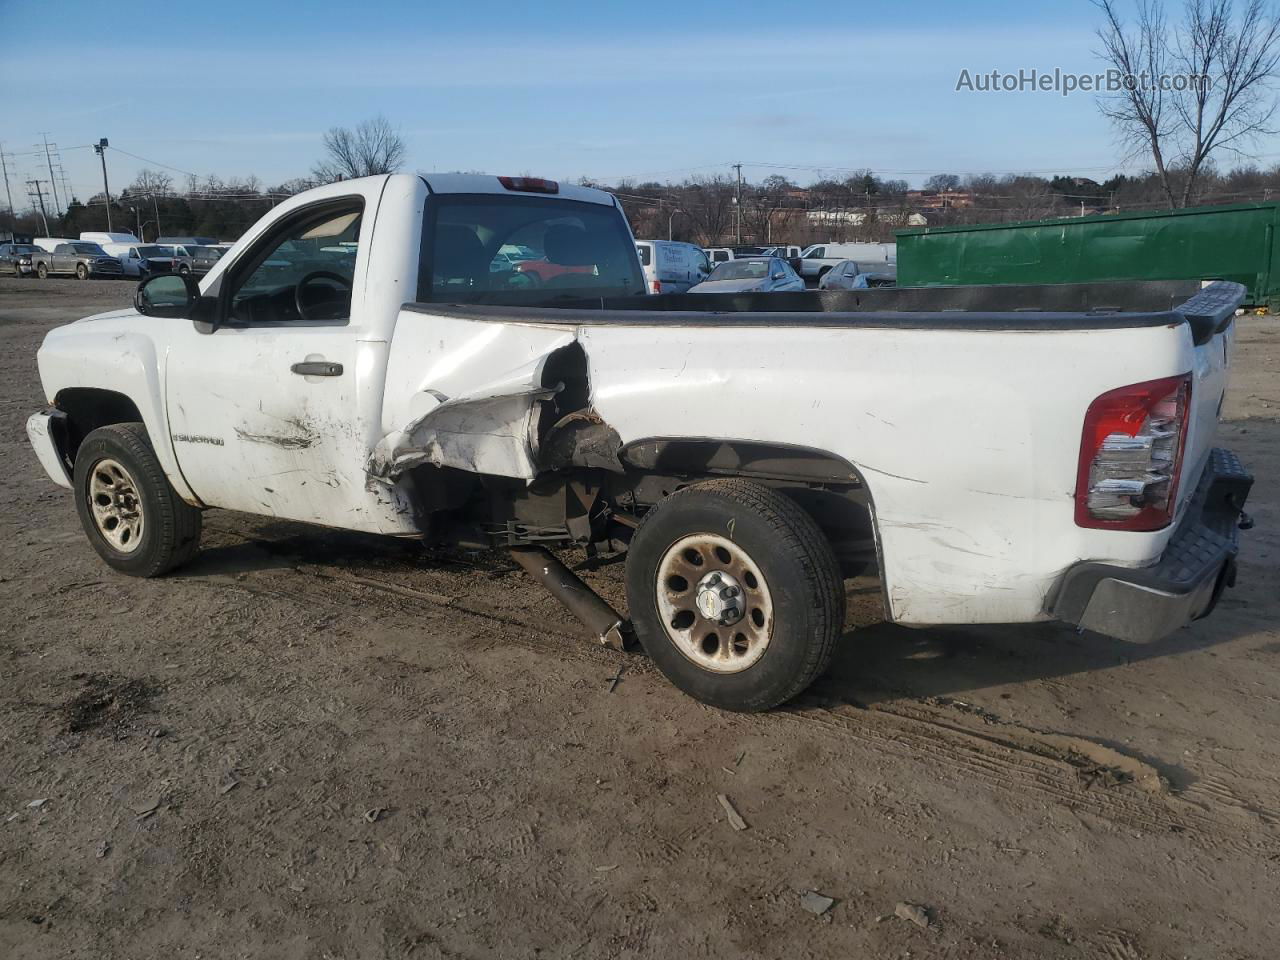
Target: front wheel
132	516
735	593
82	272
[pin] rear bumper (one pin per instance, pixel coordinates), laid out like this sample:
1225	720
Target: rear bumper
1148	603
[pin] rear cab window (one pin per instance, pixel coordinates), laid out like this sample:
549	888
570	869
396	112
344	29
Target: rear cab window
572	248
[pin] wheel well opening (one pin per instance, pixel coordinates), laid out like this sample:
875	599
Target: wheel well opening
87	409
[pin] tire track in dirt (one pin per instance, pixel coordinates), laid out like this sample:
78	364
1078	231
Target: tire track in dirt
1073	772
1063	770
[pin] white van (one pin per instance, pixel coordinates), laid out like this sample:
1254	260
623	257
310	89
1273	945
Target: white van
821	257
49	244
102	238
671	266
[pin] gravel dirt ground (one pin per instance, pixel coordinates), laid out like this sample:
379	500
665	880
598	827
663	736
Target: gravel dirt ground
311	744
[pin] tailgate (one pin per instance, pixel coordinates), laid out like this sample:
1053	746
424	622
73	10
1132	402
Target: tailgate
1211	315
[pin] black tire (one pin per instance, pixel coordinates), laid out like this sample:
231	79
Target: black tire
82	272
799	571
171	527
42	271
183	271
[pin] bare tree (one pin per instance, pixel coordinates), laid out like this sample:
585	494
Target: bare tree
941	182
709	205
151	182
1189	92
372	148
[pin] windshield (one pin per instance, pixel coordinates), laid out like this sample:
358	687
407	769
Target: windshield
25	248
741	270
152	252
574	249
90	248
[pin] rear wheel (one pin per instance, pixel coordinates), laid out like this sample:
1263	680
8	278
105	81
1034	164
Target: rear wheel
42	271
132	516
735	593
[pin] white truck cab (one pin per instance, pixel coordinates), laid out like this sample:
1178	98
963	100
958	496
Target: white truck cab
353	361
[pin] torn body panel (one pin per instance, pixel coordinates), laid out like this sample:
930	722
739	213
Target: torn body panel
466	394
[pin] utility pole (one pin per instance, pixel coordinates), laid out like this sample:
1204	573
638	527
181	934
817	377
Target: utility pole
737	200
35	185
7	192
100	148
53	183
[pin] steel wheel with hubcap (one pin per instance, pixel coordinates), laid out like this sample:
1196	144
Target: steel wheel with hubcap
735	593
715	606
130	512
117	507
42	271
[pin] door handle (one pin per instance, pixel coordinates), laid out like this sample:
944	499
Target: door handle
317	368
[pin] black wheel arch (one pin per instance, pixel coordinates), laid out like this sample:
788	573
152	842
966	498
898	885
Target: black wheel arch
85	409
828	487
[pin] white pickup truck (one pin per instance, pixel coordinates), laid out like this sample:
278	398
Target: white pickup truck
996	455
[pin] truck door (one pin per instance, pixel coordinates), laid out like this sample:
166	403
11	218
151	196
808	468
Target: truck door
267	413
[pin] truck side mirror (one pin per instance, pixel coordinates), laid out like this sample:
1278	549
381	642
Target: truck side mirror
167	295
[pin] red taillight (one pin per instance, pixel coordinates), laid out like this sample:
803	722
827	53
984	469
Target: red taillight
1131	455
657	286
530	184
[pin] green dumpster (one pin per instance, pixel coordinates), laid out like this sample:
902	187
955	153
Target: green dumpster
1235	242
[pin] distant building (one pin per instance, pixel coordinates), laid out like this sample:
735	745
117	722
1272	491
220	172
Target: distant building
856	218
940	199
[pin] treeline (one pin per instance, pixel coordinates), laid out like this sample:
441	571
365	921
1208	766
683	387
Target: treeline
154	205
704	210
866	207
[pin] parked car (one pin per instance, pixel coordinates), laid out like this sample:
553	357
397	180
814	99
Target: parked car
197	260
745	459
821	257
785	252
751	275
15	258
671	266
866	281
718	254
143	259
852	275
76	258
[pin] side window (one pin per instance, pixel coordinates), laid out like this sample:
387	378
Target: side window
64	248
301	272
818	253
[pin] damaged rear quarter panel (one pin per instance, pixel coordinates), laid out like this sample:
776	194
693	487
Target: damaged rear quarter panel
464	393
967	439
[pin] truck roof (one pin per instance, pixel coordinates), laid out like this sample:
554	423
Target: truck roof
486	183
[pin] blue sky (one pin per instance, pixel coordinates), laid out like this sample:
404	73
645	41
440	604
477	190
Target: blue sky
646	89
